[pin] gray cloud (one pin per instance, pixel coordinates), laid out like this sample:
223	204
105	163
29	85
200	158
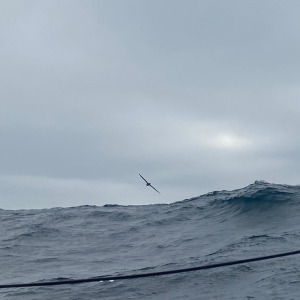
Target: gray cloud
197	96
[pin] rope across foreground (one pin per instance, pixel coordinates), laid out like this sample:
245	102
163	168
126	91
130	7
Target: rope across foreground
143	275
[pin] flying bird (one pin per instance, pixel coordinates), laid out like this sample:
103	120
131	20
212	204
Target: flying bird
148	183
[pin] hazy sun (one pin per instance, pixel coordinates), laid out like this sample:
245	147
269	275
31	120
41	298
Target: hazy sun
231	141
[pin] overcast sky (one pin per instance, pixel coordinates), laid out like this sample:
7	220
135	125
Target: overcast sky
196	96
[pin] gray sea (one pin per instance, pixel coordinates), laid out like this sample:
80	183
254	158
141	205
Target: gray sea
87	241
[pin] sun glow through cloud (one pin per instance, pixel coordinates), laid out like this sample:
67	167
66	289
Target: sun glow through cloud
231	141
208	136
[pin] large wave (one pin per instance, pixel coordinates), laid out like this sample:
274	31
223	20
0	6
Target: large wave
85	241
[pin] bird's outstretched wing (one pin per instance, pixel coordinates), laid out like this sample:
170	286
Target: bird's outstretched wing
144	178
154	188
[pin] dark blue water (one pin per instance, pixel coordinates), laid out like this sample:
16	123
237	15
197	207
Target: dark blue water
86	241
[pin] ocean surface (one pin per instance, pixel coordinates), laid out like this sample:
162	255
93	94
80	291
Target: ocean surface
87	241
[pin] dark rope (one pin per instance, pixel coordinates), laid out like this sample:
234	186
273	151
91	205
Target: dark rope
142	275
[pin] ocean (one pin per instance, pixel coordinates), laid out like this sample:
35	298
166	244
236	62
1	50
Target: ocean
87	241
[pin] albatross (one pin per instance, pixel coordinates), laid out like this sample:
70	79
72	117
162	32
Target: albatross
148	183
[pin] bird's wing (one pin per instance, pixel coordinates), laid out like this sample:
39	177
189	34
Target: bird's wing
143	178
154	188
